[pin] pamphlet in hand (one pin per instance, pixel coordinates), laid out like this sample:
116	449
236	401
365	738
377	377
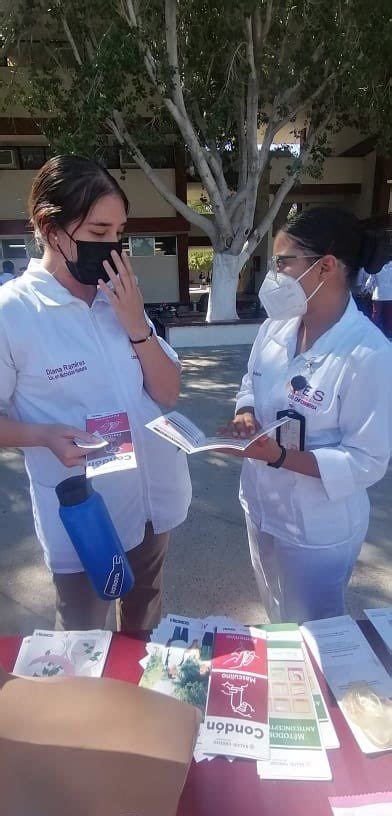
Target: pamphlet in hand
113	449
183	433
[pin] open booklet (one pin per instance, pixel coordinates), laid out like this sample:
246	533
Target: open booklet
180	431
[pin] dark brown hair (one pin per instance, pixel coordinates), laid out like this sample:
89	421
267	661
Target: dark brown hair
66	188
334	231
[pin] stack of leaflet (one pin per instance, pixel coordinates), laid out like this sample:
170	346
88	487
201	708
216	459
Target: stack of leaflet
256	688
357	678
56	654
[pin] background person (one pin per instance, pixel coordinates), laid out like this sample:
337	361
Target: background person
70	347
304	497
381	289
8	272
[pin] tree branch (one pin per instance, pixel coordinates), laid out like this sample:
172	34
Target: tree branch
265	29
185	126
252	103
117	126
72	42
212	154
172	51
285	188
242	143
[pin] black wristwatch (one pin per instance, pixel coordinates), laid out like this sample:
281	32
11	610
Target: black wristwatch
279	462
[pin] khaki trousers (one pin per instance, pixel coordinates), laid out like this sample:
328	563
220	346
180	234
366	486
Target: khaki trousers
79	607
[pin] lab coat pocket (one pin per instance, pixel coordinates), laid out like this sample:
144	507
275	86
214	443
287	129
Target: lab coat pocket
325	522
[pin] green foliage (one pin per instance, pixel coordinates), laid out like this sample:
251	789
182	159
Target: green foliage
330	60
190	686
200	261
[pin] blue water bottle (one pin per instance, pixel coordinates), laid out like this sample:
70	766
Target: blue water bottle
92	532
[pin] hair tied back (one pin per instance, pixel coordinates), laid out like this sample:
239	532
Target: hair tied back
376	251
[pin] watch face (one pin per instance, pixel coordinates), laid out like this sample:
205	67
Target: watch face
298	383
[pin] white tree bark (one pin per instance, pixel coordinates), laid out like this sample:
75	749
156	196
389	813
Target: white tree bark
225	273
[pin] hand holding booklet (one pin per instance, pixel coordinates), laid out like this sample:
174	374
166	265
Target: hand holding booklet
183	433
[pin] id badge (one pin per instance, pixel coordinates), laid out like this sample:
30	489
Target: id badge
292	434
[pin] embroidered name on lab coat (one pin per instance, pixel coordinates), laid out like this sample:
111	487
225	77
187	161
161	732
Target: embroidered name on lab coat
66	370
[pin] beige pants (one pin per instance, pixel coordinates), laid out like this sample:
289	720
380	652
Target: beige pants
79	607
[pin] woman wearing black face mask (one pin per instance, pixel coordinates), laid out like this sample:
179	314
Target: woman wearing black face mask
72	346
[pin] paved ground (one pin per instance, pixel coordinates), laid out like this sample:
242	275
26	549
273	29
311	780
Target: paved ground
208	569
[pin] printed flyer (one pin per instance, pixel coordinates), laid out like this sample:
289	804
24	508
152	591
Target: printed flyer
382	622
118	454
73	654
237	705
357	678
296	749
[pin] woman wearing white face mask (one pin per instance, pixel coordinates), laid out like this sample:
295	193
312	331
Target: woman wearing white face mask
319	361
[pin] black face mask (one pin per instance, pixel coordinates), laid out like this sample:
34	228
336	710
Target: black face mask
88	268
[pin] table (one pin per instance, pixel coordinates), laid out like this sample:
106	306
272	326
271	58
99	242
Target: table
219	788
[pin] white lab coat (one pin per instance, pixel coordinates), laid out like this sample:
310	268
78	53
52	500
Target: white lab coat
5	277
348	411
382	283
61	361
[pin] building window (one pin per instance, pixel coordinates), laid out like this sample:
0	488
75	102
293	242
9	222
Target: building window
7	157
144	245
13	248
141	246
166	245
32	158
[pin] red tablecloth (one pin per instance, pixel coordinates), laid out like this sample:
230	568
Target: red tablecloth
219	788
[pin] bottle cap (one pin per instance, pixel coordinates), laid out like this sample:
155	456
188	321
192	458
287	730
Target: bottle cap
74	490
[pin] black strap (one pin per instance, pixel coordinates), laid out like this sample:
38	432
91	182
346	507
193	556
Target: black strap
279	462
150	334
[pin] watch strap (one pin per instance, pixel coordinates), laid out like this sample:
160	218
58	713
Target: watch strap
144	339
279	462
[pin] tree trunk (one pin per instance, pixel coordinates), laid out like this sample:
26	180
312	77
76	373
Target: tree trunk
222	301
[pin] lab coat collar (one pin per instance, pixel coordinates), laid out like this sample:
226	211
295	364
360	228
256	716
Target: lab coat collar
286	334
49	290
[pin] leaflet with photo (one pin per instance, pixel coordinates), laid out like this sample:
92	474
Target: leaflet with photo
180	431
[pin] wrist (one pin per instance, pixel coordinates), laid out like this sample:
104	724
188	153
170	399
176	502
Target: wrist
277	460
36	435
138	331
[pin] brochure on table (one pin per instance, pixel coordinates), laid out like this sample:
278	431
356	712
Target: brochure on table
357	678
183	433
54	654
180	663
237	706
297	750
382	622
